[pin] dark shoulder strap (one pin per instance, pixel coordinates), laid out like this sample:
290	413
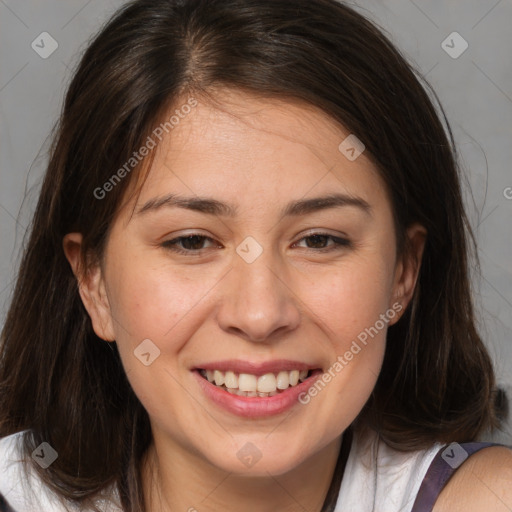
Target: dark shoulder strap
447	460
4	506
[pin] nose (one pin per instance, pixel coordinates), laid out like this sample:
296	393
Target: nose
257	302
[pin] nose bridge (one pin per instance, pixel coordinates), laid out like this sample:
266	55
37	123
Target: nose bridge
257	302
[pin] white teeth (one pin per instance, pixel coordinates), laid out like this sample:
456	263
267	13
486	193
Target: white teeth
294	377
219	377
283	380
267	383
246	384
231	380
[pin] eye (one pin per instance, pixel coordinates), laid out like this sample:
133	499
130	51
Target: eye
193	245
187	244
318	242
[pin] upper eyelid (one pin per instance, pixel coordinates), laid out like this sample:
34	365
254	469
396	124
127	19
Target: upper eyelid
309	232
303	235
210	239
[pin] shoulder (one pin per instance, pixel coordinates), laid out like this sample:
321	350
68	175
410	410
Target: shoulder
11	469
24	490
482	482
10	460
379	473
19	483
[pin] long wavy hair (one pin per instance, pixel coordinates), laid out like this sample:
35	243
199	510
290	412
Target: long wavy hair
64	385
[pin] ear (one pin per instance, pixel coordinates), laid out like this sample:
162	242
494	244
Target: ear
408	266
91	286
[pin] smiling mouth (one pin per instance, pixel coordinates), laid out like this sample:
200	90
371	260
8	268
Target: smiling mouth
249	385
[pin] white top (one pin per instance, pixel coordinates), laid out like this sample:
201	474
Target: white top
376	478
33	495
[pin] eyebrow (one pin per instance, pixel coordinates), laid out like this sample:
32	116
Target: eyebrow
214	207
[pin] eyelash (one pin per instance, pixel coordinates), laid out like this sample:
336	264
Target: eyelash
339	243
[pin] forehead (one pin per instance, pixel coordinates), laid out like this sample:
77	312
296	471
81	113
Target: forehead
254	150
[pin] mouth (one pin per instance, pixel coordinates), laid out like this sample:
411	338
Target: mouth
254	390
262	386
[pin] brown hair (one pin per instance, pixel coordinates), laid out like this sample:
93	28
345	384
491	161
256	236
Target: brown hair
65	386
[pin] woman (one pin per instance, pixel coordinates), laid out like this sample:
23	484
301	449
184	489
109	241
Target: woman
246	286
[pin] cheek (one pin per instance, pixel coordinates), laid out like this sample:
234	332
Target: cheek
152	302
352	298
354	312
357	319
160	304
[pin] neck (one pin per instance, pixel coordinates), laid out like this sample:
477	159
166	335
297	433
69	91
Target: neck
176	480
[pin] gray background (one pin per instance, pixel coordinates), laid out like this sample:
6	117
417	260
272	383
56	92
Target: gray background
475	89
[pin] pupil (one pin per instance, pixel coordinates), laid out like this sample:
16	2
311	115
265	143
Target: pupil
192	238
317	238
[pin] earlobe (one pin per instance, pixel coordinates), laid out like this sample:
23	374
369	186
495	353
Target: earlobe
91	287
409	264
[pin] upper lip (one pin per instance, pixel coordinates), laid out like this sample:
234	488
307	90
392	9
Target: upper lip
256	368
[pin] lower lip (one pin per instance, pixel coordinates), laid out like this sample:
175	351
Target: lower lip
256	407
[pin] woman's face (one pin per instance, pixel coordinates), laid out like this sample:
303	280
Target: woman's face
270	284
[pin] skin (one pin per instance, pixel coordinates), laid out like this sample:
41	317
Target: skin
483	482
292	302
